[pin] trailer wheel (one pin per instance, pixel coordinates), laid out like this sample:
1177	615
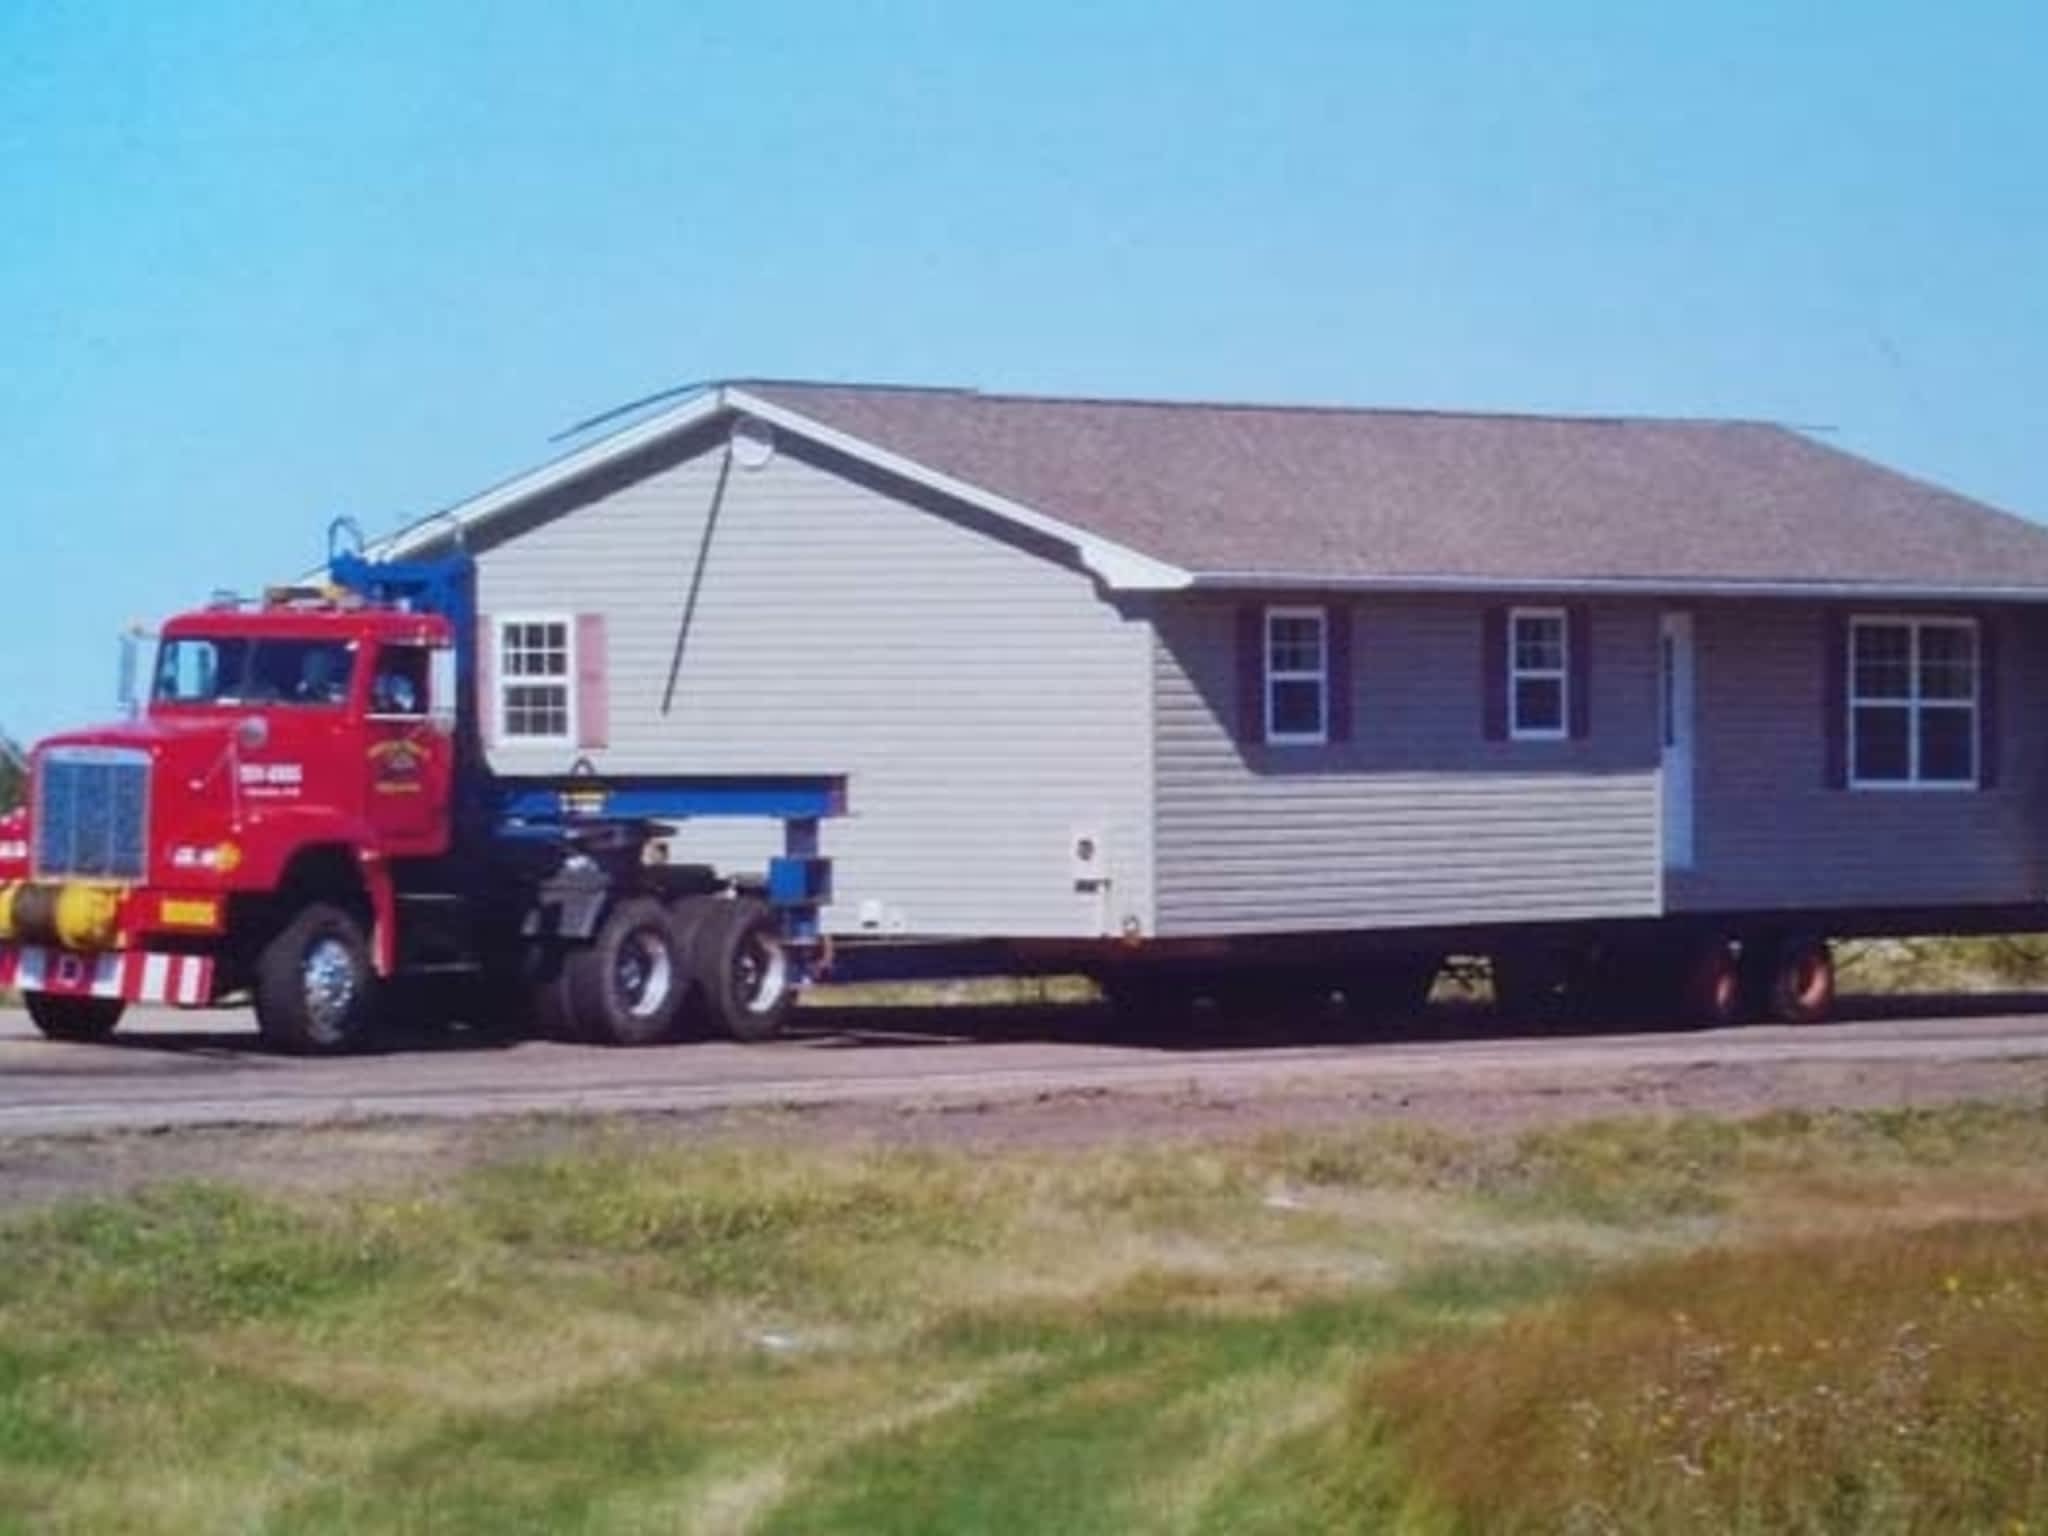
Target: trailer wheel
626	986
1802	981
1147	1003
1531	986
739	962
73	1018
315	989
1710	988
1391	988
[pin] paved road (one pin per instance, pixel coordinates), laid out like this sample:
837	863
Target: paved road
168	1070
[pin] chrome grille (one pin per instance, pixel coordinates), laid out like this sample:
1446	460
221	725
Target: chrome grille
92	812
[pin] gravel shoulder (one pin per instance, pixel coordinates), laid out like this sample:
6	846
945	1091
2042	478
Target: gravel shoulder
1007	1094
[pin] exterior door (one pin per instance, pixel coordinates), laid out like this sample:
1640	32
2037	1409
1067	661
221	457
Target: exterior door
1676	691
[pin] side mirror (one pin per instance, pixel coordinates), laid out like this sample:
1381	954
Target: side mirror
125	691
442	693
251	732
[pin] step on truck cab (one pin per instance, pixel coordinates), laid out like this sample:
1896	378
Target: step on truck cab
299	813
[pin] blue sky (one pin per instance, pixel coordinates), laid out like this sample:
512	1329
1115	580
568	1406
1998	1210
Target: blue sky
264	264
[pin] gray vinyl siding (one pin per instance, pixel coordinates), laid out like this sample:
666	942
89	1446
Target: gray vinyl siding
1419	819
985	700
1770	831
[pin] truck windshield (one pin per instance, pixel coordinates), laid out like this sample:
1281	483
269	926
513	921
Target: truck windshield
234	669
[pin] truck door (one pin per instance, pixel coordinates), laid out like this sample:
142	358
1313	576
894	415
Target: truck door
410	754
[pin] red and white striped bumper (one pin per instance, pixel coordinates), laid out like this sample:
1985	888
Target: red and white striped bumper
131	974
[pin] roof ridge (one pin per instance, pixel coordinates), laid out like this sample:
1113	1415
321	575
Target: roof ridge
1312	408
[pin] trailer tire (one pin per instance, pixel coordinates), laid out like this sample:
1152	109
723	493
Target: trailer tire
743	971
626	986
1710	989
316	992
1802	981
73	1018
1531	987
1149	1004
1391	989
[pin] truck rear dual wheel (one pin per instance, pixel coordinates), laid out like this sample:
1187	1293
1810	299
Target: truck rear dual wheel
316	991
73	1018
625	987
741	968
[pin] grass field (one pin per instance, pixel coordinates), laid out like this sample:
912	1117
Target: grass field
1802	1322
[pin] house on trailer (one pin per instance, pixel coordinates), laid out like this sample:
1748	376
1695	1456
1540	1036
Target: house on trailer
1129	686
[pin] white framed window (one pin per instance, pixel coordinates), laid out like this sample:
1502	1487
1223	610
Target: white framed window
1297	677
1913	703
536	678
1539	674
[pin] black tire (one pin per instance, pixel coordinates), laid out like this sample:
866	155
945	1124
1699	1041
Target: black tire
626	986
1710	989
1802	981
1531	987
687	916
548	1010
73	1018
1147	1004
742	970
316	991
1391	989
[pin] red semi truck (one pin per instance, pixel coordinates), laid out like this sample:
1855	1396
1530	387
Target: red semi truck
299	813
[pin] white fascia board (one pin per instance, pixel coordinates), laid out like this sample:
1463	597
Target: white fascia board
508	494
1121	569
1613	586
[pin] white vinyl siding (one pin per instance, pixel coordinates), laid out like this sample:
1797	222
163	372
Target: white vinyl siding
1297	677
986	704
1417	821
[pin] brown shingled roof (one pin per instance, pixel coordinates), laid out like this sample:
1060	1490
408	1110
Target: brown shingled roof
1229	491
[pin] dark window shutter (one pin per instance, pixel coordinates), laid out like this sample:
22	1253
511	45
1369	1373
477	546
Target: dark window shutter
486	681
1251	674
1493	673
1988	745
1835	700
1578	640
593	704
1337	630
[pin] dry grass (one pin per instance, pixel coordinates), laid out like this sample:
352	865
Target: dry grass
624	1335
1893	1382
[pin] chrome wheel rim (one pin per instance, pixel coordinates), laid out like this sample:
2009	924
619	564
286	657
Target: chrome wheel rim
760	973
327	977
643	973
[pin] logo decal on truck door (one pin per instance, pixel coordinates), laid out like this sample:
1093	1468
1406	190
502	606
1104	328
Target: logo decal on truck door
396	767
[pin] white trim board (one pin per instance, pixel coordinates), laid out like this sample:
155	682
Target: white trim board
1121	569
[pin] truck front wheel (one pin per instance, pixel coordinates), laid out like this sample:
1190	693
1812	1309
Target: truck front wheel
626	986
73	1018
315	989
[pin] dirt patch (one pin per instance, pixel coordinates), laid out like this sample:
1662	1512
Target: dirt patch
421	1153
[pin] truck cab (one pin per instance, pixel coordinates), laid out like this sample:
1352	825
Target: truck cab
337	723
310	728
